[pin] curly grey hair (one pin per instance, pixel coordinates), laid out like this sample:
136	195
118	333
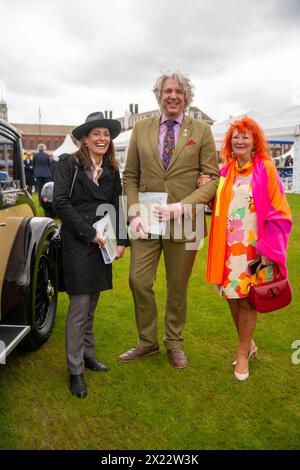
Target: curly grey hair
183	81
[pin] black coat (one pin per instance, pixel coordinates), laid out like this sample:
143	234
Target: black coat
53	164
28	167
83	265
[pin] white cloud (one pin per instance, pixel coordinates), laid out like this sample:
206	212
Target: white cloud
74	57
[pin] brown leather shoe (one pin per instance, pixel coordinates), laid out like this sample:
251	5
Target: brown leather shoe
177	358
137	353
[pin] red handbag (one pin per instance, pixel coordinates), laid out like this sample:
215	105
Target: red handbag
270	296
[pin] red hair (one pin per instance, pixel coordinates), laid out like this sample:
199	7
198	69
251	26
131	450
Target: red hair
261	148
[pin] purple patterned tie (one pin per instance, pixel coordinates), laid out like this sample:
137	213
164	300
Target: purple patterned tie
169	144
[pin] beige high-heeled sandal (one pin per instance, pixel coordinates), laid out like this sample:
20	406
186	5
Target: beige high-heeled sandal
252	352
241	377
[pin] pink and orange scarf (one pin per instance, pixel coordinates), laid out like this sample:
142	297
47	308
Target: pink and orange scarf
274	220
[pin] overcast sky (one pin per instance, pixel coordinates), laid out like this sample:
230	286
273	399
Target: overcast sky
73	57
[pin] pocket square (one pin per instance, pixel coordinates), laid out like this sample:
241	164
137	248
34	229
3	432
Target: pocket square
191	142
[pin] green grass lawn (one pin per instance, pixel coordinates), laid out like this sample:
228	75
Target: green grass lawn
149	405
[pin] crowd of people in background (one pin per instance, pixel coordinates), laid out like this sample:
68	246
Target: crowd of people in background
39	175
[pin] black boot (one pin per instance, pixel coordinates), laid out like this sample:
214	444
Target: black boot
92	364
77	386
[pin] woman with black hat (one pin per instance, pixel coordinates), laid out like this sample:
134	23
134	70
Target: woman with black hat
95	183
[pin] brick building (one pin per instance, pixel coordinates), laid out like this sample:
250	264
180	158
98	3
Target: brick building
52	136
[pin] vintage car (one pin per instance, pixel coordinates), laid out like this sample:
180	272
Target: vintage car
28	273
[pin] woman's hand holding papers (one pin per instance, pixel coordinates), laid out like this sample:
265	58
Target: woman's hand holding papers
98	240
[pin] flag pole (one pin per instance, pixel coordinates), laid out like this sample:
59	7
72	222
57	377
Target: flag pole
40	119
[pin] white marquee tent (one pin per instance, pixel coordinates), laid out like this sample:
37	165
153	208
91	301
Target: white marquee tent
121	145
67	146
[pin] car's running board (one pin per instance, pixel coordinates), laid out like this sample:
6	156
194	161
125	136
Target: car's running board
10	336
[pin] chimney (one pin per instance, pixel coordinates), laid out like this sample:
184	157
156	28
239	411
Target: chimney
105	114
110	114
136	108
3	110
131	108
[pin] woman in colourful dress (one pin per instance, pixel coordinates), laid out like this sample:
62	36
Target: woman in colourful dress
251	219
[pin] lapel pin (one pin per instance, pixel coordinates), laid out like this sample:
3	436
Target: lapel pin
185	132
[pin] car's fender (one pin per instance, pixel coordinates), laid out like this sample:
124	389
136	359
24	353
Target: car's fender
17	279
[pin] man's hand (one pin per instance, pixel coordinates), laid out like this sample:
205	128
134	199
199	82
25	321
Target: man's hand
138	228
168	211
120	251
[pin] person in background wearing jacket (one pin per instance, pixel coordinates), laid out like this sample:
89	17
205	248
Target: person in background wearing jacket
97	183
28	167
41	169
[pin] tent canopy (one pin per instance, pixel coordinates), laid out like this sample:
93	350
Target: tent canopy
279	124
67	146
123	138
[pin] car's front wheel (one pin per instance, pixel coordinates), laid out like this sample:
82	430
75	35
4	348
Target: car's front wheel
43	299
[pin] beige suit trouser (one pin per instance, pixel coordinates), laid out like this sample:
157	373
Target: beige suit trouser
145	255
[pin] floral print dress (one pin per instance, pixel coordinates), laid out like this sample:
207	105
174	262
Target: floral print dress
241	239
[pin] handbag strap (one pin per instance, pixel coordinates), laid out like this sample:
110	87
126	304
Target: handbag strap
70	195
73	182
260	266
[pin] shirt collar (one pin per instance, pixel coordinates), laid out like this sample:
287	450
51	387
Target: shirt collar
178	120
95	165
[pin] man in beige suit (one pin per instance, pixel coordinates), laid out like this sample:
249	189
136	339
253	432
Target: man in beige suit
166	154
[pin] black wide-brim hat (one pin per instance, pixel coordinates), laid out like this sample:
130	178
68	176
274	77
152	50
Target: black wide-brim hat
97	119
